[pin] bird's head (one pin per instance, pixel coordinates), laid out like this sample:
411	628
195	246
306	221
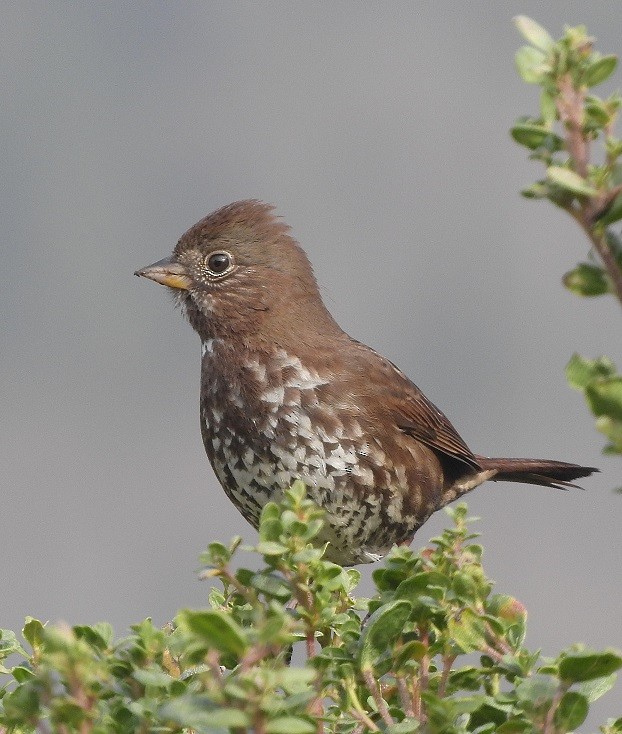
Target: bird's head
238	269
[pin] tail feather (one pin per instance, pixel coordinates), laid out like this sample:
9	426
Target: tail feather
558	474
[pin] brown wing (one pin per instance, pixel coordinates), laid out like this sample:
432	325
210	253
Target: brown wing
414	414
422	420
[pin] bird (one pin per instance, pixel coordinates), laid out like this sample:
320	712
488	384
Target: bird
287	395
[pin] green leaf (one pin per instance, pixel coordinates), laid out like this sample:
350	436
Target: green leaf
572	711
587	280
32	632
215	628
580	371
533	32
515	726
98	636
21	703
600	70
530	64
9	644
538	190
297	491
271	548
613	430
597	110
613	213
537	693
271	511
271	585
548	108
534	136
153	676
290	725
604	397
21	674
410	651
431	583
199	713
382	629
594	689
584	665
468	631
406	726
569	181
217	554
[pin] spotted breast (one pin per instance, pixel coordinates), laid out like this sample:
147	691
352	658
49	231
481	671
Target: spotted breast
267	420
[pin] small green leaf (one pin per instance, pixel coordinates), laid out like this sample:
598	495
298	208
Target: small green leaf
468	631
199	713
97	636
290	725
534	136
580	371
271	585
406	726
571	712
587	280
533	32
594	689
515	725
604	397
538	190
597	110
21	703
548	108
9	644
32	632
600	70
297	491
613	213
576	667
530	64
217	554
410	651
270	529
613	430
215	628
382	629
22	674
537	693
569	181
153	677
271	511
271	548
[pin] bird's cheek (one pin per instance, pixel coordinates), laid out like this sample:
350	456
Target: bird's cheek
205	302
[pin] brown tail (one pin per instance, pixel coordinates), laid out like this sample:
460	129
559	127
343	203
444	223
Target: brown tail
557	474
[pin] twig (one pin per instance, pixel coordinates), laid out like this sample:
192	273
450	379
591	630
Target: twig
604	251
570	101
374	688
448	661
405	696
570	109
549	721
364	719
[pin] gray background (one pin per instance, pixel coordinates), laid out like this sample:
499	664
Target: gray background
380	131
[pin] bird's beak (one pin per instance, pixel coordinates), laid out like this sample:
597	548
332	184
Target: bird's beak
167	272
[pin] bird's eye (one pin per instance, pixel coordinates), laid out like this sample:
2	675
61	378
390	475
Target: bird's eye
219	263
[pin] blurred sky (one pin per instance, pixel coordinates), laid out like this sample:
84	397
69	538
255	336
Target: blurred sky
380	131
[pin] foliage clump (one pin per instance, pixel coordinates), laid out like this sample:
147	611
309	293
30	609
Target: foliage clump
434	650
574	138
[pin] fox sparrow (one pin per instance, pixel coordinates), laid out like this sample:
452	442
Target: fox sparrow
286	394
